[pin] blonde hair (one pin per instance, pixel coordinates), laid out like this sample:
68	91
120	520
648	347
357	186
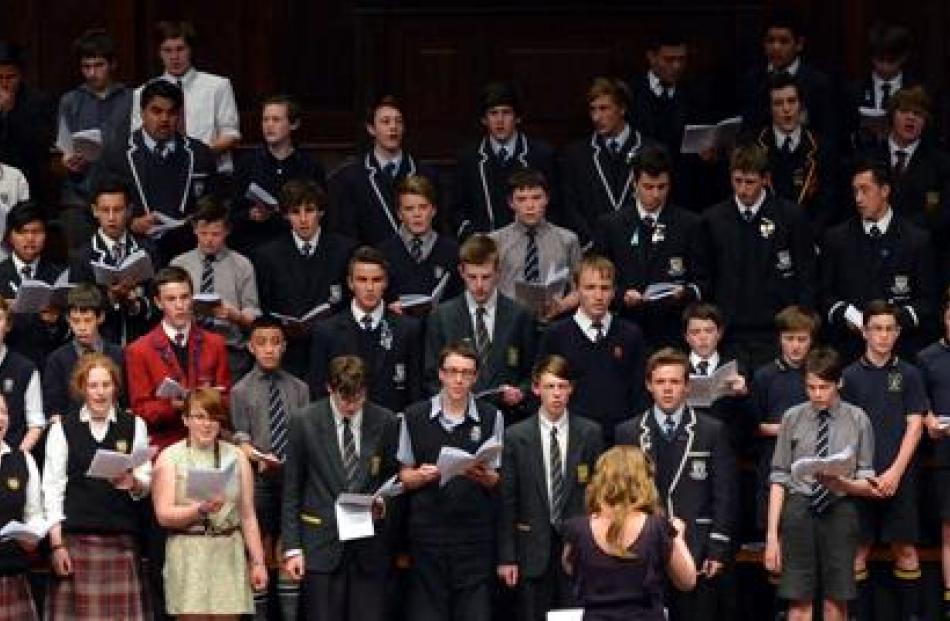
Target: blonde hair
622	484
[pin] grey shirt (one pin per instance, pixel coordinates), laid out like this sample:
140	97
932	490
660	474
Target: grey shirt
250	404
557	248
798	435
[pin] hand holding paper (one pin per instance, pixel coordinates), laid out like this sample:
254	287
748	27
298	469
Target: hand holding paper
453	462
112	464
209	483
838	464
29	533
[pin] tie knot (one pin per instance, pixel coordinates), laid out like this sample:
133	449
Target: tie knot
747	215
787	144
553	432
180	339
614	145
503	154
481	311
824	415
390	169
649	221
211	258
875	231
27	271
306	249
367	322
346	422
703	367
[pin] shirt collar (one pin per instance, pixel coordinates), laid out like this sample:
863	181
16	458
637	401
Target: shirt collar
19	264
833	409
754	208
435	408
882	223
110	243
521	228
792	68
713	360
866	363
376	314
96	346
489	304
170	332
300	241
895	82
546	424
150	143
622	137
355	421
510	145
186	78
659	89
85	416
660	416
4	448
795	135
111	90
427	237
586	323
643	213
383	161
893	147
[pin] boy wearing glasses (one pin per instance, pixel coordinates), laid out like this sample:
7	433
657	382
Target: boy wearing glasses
451	526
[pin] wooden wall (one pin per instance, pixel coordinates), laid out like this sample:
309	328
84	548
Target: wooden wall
335	55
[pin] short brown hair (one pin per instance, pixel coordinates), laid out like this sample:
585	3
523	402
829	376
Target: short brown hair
212	402
88	362
616	89
386	101
171	274
523	177
297	192
209	209
704	311
168	29
347	376
881	307
293	108
667	356
85	296
749	158
367	254
479	249
825	363
797	319
912	99
594	263
459	348
553	364
418	185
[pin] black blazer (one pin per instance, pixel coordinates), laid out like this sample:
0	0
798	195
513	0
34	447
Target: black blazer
921	194
480	186
510	357
314	478
363	197
30	335
816	91
524	526
703	490
394	370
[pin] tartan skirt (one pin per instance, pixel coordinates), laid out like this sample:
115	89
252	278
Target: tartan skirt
106	582
16	599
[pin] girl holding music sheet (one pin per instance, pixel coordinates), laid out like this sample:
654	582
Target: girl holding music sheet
95	559
19	500
211	525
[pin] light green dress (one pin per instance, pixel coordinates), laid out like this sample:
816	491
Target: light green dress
207	574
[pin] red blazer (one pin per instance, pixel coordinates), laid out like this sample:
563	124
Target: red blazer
150	359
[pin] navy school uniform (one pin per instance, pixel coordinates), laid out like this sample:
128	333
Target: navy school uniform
897	267
406	276
261	167
452	528
666	253
391	350
696	480
861	94
292	284
934	364
170	185
480	186
122	324
776	387
57	395
16	371
758	268
30	335
608	375
363	197
595	181
888	394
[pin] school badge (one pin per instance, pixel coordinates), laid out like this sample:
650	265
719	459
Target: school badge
895	382
438	271
618	352
475	435
13	483
784	260
336	293
198	187
399	373
677	268
932	200
697	470
121	446
583	474
374	462
7	385
659	233
766	228
513	356
901	285
386	337
635	238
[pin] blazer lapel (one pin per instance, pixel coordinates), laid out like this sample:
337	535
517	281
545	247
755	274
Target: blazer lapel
326	424
540	468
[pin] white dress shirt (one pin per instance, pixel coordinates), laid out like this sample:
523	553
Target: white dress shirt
754	207
881	223
375	315
586	324
546	425
356	424
490	306
780	136
32	398
33	507
713	360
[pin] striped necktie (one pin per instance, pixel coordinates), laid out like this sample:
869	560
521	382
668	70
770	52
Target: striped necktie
482	338
350	459
821	496
532	269
278	420
207	274
558	488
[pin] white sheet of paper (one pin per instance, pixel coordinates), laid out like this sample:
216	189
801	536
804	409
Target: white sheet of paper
453	462
88	143
170	389
410	300
164	223
853	316
488	392
659	290
257	194
208	483
699	138
354	516
704	390
840	463
110	464
567	614
391	488
32	531
135	268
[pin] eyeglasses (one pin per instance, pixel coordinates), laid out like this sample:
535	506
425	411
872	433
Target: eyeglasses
203	418
455	372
